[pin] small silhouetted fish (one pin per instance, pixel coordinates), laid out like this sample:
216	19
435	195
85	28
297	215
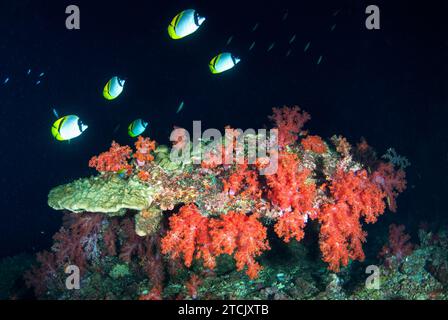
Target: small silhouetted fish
6	81
255	27
319	60
271	46
55	113
252	46
336	12
37	82
307	47
333	27
229	41
285	16
42	74
292	39
288	52
117	127
181	106
29	72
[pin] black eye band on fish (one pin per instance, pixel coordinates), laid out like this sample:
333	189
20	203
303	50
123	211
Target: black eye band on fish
196	19
80	125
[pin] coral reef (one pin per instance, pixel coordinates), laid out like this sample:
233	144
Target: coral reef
166	214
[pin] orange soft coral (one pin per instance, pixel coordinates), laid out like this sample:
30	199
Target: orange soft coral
143	147
341	235
143	175
114	160
315	144
289	122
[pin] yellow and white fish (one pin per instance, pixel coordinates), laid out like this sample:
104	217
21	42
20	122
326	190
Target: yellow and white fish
185	23
137	127
114	87
223	62
67	128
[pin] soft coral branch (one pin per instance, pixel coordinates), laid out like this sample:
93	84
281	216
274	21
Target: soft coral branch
289	122
114	160
341	235
193	236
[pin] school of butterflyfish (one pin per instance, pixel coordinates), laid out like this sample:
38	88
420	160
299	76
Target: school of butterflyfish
183	24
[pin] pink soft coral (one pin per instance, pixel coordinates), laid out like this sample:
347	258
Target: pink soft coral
399	246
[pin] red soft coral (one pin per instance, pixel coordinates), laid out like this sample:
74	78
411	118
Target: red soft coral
193	236
39	275
114	160
189	237
398	247
243	181
144	147
391	181
192	286
289	122
314	143
132	244
341	235
290	190
242	236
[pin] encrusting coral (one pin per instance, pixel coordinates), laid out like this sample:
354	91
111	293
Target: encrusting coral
199	212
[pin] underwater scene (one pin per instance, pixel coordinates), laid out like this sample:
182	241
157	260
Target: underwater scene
205	150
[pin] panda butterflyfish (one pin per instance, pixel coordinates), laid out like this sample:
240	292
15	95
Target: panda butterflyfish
67	128
184	24
137	127
223	62
114	87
